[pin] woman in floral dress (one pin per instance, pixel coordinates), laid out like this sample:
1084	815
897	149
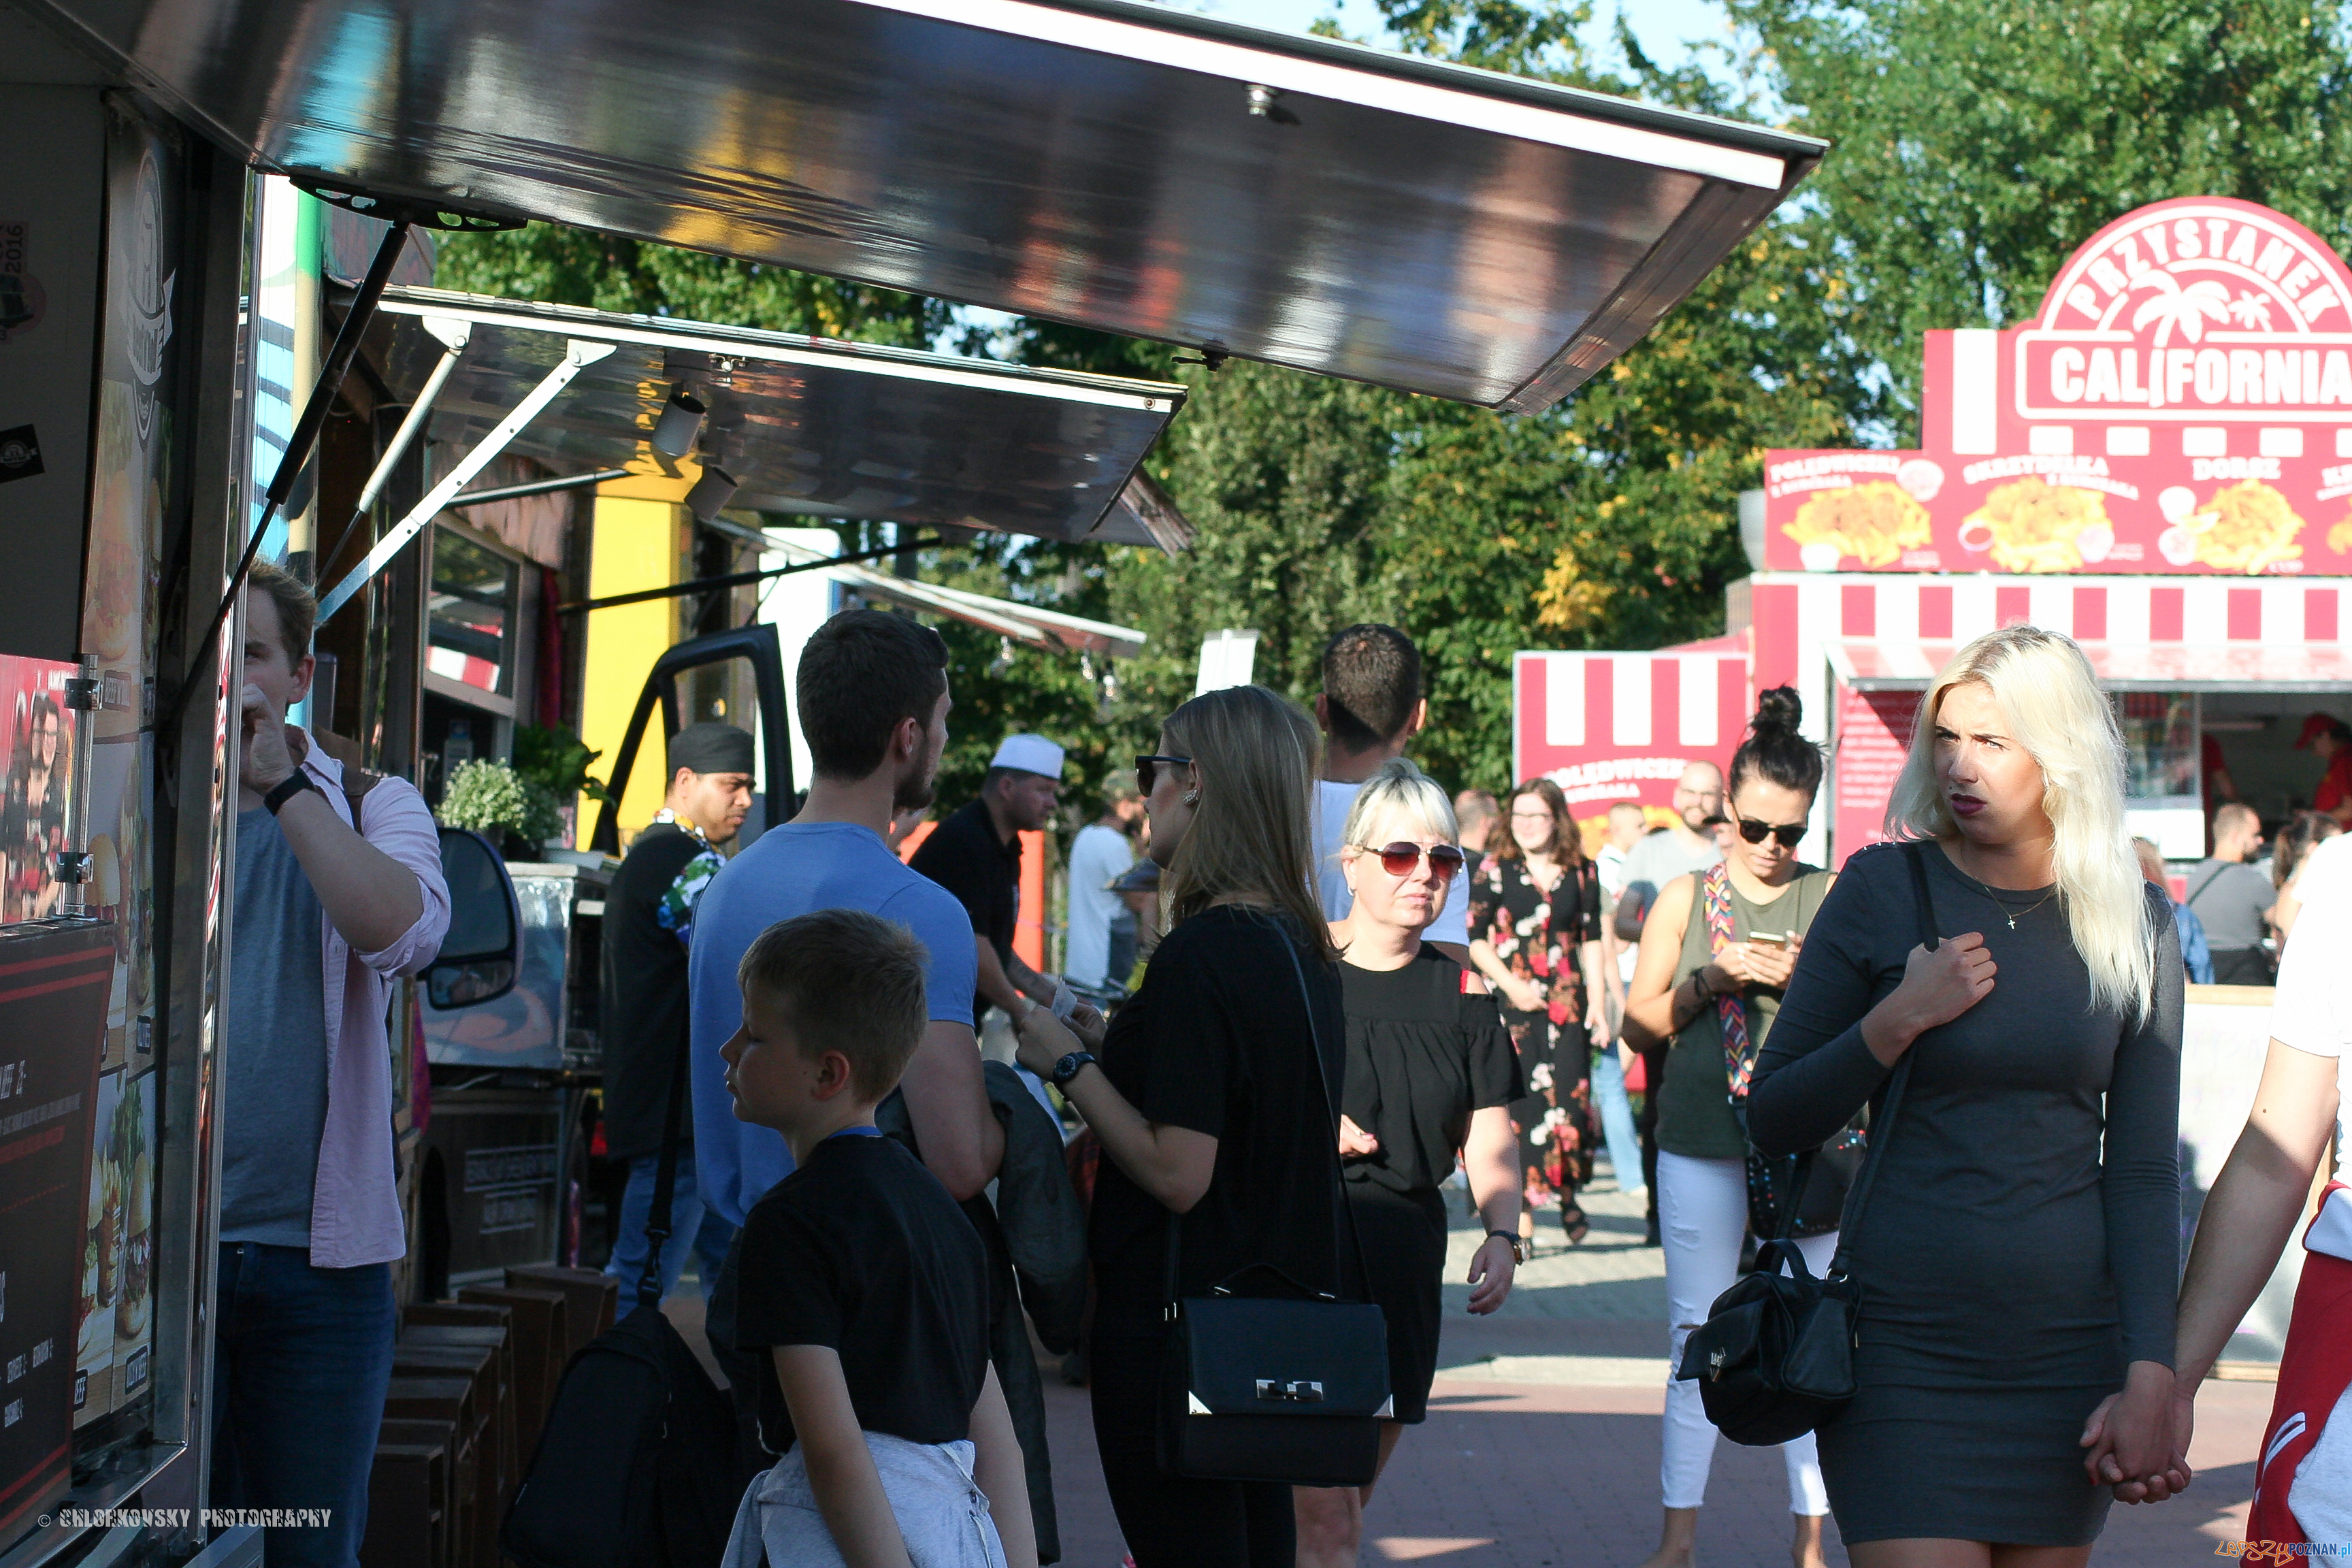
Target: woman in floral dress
1535	934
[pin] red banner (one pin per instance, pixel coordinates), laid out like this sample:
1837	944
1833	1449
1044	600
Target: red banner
1874	734
2182	403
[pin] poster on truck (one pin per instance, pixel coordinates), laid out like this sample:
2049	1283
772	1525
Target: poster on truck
2181	403
53	989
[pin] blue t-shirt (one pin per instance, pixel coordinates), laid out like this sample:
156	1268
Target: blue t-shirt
792	870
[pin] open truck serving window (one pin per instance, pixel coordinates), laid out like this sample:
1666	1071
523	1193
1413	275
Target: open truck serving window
513	512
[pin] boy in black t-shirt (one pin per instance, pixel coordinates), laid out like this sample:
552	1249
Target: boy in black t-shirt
862	1278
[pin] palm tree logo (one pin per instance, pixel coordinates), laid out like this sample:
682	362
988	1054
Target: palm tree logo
2173	306
2251	311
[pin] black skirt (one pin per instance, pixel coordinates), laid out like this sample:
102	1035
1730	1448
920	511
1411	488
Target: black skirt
1404	1248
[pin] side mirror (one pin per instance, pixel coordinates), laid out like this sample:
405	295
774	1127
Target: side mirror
478	961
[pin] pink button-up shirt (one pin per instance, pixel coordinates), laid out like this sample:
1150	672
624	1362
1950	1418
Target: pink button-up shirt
355	1206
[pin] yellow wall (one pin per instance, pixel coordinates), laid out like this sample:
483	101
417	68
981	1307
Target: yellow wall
638	543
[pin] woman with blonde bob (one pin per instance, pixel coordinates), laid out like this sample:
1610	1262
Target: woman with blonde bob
1209	1101
2017	1254
1431	1073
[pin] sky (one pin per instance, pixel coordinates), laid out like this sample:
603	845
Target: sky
1661	26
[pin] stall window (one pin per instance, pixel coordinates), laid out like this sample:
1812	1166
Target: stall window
2159	744
470	633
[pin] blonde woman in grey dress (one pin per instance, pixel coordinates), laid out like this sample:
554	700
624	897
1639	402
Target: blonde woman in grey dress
2018	1256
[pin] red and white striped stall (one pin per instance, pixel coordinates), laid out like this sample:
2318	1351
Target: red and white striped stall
1608	726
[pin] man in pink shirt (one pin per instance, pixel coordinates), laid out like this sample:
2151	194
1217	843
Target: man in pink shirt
327	913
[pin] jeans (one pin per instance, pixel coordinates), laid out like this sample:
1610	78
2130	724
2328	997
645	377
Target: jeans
693	1228
1617	1118
301	1359
1703	1211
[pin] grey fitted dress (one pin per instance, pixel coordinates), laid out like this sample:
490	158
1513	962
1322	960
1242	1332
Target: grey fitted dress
2021	1243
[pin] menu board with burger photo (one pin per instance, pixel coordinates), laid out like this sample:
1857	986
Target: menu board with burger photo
2181	403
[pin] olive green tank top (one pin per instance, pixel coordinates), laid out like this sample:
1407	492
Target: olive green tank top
1695	1115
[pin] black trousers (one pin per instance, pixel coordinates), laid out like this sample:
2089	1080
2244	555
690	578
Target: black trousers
1653	1073
1170	1523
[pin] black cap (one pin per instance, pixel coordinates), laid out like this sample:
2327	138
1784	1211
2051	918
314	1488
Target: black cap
712	748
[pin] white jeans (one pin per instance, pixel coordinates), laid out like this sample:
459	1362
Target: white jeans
1702	1215
942	1513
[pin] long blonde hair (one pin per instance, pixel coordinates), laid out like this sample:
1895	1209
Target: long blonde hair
1254	752
2047	692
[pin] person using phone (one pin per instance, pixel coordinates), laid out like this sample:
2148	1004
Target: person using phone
1710	996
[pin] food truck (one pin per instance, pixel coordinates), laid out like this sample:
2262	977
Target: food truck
200	360
2159	463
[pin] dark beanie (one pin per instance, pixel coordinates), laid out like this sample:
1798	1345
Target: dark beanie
712	748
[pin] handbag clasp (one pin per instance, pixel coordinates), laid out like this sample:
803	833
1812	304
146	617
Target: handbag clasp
1301	1391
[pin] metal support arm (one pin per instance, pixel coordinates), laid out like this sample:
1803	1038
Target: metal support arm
580	355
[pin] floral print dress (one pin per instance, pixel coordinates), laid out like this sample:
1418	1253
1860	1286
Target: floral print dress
1538	936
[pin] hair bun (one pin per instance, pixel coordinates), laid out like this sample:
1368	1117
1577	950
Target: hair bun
1779	711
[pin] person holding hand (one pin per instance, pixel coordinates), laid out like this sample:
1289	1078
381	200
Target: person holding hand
1716	954
2016	1260
1431	1073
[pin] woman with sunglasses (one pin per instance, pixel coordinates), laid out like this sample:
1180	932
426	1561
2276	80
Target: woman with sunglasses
1209	1102
1535	934
1715	955
1430	1072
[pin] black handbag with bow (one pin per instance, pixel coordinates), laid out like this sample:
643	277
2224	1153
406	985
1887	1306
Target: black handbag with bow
1775	1357
1279	1383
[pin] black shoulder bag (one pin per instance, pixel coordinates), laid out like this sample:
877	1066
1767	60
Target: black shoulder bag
1289	1388
635	1464
1775	1357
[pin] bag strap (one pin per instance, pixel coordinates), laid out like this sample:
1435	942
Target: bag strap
1882	1127
657	1218
1315	1045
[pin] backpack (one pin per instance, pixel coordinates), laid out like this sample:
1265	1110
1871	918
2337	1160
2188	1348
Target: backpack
635	1464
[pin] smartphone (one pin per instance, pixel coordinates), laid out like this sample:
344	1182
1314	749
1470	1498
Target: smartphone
1769	938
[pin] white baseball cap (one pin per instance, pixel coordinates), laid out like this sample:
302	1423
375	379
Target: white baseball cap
1030	754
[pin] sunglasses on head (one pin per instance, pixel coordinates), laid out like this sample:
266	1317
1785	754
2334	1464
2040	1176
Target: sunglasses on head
1146	769
1789	834
1399	859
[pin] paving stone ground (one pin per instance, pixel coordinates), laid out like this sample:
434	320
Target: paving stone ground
1541	1446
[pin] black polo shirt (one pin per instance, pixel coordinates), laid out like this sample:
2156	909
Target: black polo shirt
965	856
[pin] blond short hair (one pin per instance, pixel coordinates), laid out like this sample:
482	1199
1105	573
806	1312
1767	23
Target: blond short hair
850	982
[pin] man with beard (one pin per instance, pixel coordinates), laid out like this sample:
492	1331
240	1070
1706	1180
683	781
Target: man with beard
976	854
874	705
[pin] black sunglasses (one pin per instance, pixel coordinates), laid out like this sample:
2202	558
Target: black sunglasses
1148	768
1789	834
1399	859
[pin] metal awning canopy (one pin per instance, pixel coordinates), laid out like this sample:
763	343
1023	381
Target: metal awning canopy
808	426
1030	624
1481	237
1891	664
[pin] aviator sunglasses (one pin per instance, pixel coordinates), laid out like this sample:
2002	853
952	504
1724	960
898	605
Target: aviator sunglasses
1399	859
1147	768
1789	834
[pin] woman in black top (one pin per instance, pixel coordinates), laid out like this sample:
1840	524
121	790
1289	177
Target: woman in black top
1535	934
1430	1072
1210	1102
2017	1252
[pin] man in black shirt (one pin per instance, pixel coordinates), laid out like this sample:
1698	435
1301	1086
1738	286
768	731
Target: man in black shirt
648	918
976	855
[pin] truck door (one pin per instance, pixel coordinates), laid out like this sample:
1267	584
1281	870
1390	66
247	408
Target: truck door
756	643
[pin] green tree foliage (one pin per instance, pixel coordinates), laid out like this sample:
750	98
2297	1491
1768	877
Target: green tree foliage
1978	144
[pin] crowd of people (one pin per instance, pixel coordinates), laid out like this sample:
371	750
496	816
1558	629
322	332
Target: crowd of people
1355	990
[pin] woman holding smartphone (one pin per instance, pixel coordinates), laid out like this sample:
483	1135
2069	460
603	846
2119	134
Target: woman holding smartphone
1715	955
1210	1102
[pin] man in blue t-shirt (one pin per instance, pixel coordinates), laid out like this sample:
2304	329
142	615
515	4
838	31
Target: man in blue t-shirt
872	692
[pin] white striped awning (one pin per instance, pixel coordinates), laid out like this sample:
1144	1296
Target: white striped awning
1885	664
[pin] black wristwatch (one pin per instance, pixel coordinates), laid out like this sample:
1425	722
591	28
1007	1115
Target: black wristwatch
1519	1247
289	786
1068	1067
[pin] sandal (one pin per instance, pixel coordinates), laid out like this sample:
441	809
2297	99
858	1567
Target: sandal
1574	1220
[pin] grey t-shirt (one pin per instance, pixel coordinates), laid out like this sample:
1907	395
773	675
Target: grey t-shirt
1661	856
274	1044
2229	897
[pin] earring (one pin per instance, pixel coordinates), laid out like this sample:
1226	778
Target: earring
1192	798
